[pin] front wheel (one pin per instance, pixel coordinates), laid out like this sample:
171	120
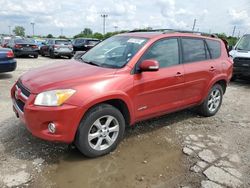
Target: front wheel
100	131
212	103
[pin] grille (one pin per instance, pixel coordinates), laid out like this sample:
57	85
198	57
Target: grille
20	104
241	62
25	91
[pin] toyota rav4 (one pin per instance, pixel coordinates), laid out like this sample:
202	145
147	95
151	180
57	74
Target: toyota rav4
124	79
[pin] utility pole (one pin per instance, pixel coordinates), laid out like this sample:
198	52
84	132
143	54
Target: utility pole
116	27
234	31
239	34
61	31
9	30
33	28
194	24
104	16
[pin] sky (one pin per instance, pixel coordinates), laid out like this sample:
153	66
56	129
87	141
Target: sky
71	16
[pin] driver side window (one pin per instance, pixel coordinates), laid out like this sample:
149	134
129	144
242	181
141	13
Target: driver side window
165	51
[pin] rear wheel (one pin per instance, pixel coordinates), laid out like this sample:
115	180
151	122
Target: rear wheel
100	131
212	103
35	56
51	54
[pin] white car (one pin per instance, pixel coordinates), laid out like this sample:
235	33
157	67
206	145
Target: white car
241	57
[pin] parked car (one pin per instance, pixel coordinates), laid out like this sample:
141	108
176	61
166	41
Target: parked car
241	58
7	61
40	43
56	48
23	47
89	101
5	41
84	44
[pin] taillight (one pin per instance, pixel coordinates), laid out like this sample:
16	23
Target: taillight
10	54
55	46
18	46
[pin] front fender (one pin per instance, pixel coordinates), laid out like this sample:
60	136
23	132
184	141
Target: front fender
97	99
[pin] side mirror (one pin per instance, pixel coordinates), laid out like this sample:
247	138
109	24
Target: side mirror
149	65
230	48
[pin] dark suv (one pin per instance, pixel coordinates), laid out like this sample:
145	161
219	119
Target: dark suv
125	79
84	44
56	48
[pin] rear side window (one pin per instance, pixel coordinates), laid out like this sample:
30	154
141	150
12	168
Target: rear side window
214	48
193	50
165	51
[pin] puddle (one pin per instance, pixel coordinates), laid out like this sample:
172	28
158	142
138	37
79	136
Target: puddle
141	160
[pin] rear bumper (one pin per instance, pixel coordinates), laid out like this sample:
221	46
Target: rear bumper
24	52
241	71
60	53
8	65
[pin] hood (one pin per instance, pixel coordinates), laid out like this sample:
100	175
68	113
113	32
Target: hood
63	75
240	53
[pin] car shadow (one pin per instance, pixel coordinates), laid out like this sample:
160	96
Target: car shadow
5	76
19	143
239	82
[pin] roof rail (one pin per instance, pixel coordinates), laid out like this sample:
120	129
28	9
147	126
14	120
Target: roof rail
175	31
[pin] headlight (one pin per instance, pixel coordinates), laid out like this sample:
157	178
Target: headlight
54	97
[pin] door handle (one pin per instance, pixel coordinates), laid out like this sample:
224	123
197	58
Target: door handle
212	68
178	74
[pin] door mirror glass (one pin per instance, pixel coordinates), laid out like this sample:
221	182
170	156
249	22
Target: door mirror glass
149	65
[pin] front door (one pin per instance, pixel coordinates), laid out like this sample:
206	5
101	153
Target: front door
160	91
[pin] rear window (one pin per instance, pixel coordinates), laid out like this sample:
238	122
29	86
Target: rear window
24	41
193	50
65	42
214	48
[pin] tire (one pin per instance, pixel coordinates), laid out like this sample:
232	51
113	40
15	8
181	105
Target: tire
42	54
92	139
212	103
35	56
51	55
234	77
70	56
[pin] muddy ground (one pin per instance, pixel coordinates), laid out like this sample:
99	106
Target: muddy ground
177	150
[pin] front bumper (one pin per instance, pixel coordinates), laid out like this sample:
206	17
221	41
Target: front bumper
36	118
8	65
241	71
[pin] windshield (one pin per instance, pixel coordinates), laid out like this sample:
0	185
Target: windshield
244	43
114	52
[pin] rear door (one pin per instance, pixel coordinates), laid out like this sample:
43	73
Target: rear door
160	91
199	68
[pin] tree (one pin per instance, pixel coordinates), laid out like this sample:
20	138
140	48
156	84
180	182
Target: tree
49	36
19	31
98	36
87	32
62	37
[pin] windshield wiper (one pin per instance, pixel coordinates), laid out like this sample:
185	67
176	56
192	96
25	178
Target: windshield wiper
91	63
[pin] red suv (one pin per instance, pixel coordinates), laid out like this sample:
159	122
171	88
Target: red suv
125	79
